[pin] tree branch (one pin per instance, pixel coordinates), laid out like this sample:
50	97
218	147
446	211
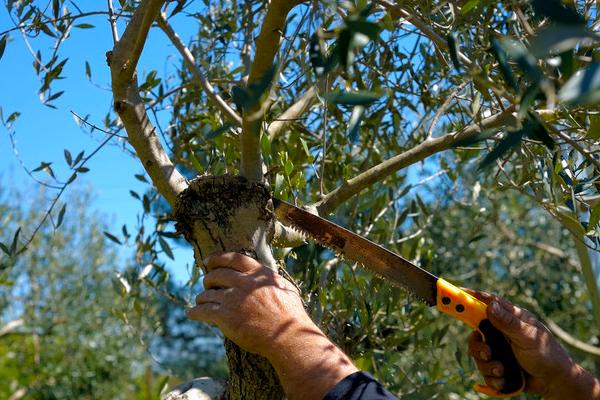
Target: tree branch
11	326
399	12
200	78
293	112
130	106
267	46
427	148
570	340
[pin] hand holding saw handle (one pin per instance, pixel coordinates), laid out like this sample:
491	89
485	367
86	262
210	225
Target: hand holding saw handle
429	288
461	305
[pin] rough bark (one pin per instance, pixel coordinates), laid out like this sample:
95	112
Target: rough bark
230	213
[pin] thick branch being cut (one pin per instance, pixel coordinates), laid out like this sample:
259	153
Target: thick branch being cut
201	80
130	107
267	46
430	146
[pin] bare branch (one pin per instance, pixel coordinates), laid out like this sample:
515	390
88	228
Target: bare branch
113	22
267	46
292	113
200	78
399	12
570	340
11	326
130	106
427	148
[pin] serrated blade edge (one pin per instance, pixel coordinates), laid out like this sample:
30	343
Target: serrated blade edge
374	257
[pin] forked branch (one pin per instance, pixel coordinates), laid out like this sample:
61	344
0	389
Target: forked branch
130	106
267	46
200	78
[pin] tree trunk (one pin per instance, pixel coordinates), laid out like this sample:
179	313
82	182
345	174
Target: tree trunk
229	213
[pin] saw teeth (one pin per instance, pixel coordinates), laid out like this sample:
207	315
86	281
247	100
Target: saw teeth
342	258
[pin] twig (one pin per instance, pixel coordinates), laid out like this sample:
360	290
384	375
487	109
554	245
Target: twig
113	22
425	149
200	78
292	113
444	107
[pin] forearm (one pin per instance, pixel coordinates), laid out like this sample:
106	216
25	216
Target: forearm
577	384
309	364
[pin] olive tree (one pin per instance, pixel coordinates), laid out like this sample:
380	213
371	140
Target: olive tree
328	105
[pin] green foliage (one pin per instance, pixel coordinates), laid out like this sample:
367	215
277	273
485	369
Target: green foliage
445	68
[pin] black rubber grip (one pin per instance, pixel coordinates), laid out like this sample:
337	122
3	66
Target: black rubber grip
501	351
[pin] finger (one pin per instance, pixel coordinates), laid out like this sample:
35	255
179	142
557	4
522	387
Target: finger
207	312
493	369
521	313
236	261
222	278
478	349
504	319
480	295
212	296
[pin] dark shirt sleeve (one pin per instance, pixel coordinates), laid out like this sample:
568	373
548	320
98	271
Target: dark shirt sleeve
358	386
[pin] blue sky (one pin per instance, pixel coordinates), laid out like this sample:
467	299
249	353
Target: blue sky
43	133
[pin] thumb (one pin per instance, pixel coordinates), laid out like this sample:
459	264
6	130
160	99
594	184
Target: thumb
505	318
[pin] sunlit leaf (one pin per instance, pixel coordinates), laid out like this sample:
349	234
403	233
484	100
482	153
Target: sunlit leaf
3	41
166	248
526	61
61	215
354	124
556	39
358	98
219	131
78	158
453	49
68	157
505	68
15	242
469	5
5	249
56	8
88	70
583	87
594	216
112	237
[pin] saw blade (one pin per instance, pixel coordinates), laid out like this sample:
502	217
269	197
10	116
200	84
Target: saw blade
354	247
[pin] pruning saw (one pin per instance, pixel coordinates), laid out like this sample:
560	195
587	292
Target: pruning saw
432	290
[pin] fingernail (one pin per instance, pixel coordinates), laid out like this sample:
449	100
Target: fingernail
496	372
484	356
496	309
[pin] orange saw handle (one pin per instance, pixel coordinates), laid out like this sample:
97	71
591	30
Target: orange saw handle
461	305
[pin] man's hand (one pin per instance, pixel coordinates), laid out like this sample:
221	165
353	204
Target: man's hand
252	305
548	368
263	313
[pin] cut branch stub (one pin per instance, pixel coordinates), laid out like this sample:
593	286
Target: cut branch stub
230	213
226	213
